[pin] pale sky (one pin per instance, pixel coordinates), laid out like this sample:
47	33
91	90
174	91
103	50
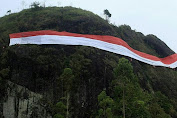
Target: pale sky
158	17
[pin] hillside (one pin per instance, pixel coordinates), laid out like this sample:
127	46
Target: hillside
43	70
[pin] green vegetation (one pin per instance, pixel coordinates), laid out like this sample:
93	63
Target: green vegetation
107	14
106	105
61	110
79	81
129	100
66	79
35	5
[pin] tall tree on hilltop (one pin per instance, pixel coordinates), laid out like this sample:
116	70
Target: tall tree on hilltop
35	5
107	14
9	12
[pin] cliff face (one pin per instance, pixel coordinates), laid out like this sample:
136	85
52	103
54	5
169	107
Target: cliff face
23	103
33	82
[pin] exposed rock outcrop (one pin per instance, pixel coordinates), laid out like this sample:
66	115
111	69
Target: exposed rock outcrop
23	103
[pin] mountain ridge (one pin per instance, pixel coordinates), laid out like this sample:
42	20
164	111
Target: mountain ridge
41	68
80	25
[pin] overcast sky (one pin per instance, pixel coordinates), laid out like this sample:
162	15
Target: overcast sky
158	17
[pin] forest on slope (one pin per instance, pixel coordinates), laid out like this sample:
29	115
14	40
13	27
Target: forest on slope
84	82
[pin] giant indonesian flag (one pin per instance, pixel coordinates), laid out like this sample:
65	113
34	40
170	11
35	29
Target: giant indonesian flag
108	43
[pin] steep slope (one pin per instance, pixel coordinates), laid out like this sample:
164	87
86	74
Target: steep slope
77	21
39	68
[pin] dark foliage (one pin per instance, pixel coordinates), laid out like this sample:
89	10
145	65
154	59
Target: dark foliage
40	67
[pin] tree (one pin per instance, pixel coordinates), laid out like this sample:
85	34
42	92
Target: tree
128	94
157	112
9	12
60	109
67	79
123	72
105	105
107	14
35	5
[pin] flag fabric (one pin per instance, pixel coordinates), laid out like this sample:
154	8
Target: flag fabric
107	43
